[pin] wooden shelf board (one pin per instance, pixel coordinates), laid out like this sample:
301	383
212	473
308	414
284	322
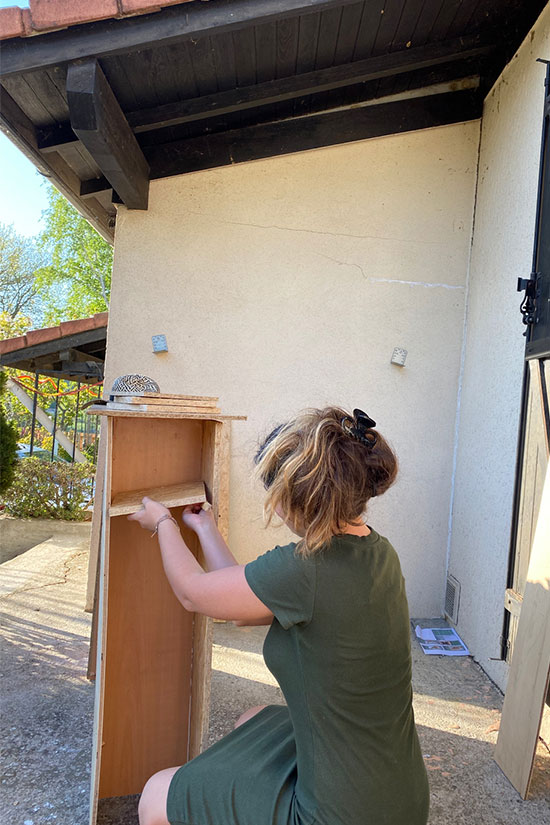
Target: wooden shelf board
160	413
174	495
202	399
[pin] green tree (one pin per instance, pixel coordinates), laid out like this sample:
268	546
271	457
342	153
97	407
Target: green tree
77	281
19	260
8	443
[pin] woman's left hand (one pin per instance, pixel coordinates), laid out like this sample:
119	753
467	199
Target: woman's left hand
150	514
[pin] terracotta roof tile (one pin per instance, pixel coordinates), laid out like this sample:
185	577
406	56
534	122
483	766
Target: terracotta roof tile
48	15
57	14
39	336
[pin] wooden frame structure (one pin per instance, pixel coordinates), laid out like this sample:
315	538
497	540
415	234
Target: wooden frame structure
153	657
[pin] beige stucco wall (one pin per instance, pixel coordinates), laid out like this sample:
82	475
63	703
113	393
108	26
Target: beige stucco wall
494	346
287	283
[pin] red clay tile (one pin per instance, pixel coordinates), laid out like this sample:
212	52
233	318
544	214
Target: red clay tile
11	23
12	344
39	336
27	22
144	6
74	327
56	14
101	319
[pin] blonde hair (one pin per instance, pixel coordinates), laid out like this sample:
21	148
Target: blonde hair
321	477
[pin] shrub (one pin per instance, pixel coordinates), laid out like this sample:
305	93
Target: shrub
50	489
8	444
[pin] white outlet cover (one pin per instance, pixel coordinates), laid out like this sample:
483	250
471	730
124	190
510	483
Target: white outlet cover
399	356
159	343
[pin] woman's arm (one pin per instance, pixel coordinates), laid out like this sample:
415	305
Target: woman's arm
222	594
216	552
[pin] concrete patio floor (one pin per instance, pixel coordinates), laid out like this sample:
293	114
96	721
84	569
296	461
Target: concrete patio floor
47	707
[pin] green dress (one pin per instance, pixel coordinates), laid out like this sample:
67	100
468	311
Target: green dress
344	751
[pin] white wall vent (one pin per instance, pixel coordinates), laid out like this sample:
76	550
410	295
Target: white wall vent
452	598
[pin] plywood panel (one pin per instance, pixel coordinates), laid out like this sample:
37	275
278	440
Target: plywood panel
149	452
535	461
147	665
530	669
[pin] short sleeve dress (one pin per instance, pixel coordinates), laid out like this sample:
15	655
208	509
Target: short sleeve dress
344	750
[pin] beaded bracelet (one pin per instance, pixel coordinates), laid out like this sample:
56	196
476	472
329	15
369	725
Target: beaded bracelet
165	517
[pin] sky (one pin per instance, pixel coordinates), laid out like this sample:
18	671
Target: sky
22	188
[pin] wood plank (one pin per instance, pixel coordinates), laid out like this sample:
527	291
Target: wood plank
266	51
102	613
111	37
368	29
529	678
168	395
513	601
347	35
172	495
152	412
329	26
204	68
98	121
95	534
223	54
168	408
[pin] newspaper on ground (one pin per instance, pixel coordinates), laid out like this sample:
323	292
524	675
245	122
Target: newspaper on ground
440	641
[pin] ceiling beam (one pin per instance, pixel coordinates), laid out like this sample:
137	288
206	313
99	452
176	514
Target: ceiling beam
170	25
311	132
53	138
99	123
414	109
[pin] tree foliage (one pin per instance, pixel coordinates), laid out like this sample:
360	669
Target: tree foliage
77	281
44	489
19	260
8	443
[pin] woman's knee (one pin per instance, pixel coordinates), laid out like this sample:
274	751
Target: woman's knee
152	803
248	714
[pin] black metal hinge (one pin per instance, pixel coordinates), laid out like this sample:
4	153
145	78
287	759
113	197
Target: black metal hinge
528	304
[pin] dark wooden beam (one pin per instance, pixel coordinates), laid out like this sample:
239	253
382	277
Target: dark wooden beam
99	123
171	25
309	132
52	138
90	188
302	133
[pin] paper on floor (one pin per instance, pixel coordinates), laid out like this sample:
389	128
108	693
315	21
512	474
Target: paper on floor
441	641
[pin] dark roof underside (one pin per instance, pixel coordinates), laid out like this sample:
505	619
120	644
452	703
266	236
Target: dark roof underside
208	84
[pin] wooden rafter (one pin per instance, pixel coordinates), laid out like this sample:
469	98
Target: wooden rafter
283	89
99	123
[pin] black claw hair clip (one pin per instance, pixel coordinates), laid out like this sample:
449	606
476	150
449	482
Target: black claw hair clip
359	427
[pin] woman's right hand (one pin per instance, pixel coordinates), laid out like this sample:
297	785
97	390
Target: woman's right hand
197	519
